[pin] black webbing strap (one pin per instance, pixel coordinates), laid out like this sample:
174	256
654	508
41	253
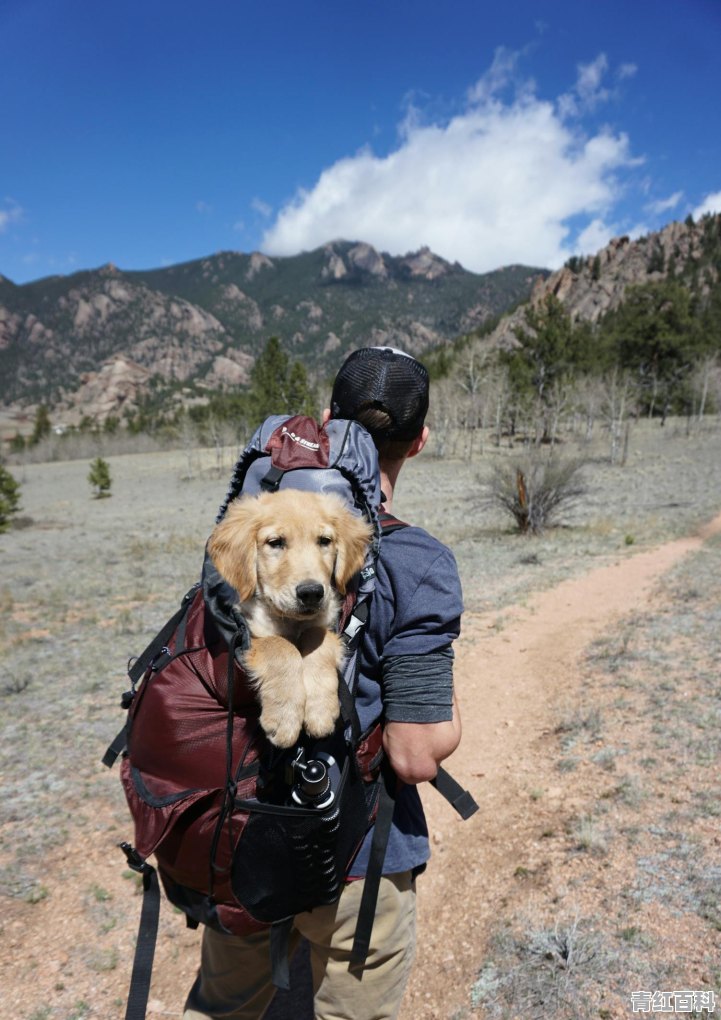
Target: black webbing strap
137	671
369	899
348	711
454	793
116	748
270	482
354	627
280	953
145	946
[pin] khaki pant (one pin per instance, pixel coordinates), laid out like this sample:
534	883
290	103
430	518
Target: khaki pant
234	980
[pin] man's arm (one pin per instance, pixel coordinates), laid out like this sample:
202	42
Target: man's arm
415	750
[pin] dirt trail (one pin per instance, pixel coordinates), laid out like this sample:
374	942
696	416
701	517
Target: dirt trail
513	684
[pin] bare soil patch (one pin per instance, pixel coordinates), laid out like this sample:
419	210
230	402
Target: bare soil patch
574	828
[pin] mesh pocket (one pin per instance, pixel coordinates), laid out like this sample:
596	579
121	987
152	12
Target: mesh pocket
292	859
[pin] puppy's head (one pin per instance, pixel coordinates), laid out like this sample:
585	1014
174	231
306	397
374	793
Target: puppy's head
290	549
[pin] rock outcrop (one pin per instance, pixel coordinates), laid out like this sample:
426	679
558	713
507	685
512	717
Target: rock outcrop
111	391
591	286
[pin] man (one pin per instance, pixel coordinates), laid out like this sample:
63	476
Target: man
406	675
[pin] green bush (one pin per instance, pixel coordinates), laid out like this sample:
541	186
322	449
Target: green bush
99	477
9	497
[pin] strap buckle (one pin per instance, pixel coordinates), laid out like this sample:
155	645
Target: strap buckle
135	861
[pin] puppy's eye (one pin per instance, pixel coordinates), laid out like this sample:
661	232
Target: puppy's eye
324	540
276	543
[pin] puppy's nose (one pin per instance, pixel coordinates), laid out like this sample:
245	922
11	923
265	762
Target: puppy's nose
309	594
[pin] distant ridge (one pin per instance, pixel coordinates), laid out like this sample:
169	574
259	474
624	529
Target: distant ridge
96	342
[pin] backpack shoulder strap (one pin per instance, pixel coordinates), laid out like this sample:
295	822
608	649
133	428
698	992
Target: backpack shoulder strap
389	523
147	936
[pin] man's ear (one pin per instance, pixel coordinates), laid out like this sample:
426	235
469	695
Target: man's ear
325	417
419	442
233	546
353	535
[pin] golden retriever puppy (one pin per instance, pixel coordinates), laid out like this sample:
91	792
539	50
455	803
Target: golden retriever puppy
289	554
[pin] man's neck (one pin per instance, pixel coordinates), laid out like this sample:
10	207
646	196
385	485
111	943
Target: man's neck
389	477
386	493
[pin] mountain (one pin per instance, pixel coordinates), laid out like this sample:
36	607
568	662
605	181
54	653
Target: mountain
591	287
98	341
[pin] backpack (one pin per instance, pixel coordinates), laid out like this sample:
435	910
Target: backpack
247	835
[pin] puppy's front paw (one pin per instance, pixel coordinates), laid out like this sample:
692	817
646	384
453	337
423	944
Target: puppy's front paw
322	658
282	728
275	669
322	709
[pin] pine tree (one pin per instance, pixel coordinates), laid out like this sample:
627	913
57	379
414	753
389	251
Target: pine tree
656	334
550	348
9	497
269	381
99	477
301	399
42	425
278	386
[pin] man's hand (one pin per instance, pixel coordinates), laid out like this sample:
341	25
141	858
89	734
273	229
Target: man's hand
415	750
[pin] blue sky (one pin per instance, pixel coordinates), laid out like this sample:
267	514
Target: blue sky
149	133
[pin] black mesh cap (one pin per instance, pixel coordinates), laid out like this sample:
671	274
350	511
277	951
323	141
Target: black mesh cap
386	379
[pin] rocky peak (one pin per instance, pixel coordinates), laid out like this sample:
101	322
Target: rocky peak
256	264
423	263
334	268
368	260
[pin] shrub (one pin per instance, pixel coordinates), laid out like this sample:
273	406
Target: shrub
99	477
535	489
9	497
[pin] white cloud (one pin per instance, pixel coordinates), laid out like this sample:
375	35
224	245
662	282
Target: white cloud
502	72
496	184
588	92
663	205
596	236
710	204
203	208
12	213
259	206
626	71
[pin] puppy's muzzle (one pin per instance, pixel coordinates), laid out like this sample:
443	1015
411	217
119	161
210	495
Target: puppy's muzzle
310	596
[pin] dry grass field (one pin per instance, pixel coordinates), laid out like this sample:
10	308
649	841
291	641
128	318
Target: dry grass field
588	675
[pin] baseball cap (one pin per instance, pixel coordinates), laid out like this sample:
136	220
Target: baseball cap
387	379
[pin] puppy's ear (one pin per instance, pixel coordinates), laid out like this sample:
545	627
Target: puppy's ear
233	547
353	535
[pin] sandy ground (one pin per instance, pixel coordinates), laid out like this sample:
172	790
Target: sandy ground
67	945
